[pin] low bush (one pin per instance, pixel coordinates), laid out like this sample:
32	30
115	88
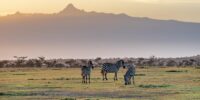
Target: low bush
154	86
175	71
69	99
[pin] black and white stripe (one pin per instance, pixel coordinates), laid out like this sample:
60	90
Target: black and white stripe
111	68
130	73
85	72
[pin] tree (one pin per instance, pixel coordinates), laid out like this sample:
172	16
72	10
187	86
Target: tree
193	62
30	63
139	62
151	60
20	61
3	63
97	59
70	62
171	63
40	61
60	65
51	63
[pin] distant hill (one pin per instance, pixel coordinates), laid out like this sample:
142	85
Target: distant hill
91	33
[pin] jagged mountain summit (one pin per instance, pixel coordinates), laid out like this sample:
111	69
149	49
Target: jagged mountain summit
71	10
73	29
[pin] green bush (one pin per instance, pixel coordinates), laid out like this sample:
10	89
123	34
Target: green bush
154	86
175	71
69	99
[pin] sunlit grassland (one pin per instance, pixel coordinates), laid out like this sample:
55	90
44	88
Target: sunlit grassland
151	84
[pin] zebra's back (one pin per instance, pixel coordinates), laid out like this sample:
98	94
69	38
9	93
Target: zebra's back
109	68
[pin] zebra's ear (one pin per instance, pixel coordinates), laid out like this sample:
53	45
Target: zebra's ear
90	62
123	62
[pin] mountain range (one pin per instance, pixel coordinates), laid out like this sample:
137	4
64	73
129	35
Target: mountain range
75	33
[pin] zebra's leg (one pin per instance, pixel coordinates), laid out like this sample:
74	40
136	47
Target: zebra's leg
116	77
129	80
82	79
106	76
125	79
86	79
89	78
102	74
133	80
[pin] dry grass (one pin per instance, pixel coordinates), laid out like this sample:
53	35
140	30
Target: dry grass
151	84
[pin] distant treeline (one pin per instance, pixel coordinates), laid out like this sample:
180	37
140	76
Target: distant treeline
67	63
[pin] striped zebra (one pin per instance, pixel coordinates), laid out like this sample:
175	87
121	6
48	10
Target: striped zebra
85	72
130	73
111	68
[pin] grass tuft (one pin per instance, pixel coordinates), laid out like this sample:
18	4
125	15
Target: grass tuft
61	78
19	74
175	71
2	94
69	99
154	86
140	74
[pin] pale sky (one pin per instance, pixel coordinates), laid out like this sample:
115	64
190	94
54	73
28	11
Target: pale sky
185	10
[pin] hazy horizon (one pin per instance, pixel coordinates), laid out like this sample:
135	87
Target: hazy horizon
183	10
73	33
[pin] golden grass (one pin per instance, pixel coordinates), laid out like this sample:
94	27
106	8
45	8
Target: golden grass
151	84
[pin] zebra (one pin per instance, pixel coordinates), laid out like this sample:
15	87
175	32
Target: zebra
85	72
111	68
129	73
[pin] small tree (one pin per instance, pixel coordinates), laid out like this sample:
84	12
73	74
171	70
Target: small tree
51	63
171	63
71	62
139	62
151	60
40	61
30	63
20	61
3	63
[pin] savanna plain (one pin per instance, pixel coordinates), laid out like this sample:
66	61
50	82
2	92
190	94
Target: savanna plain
168	83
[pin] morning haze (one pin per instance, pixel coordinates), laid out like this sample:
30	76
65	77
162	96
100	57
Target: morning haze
76	33
184	10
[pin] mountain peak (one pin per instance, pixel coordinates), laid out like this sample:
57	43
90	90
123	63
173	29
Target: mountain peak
70	9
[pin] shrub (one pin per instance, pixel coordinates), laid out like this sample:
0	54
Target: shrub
177	71
154	86
2	94
140	75
69	99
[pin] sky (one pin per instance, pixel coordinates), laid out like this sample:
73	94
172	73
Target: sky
184	10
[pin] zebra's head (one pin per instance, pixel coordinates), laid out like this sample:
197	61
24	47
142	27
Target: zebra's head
121	63
130	65
90	64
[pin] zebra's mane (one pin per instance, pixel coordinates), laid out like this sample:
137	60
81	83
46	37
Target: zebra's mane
130	65
108	64
120	61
